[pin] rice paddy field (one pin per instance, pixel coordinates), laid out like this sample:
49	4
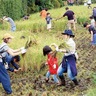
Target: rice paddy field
31	81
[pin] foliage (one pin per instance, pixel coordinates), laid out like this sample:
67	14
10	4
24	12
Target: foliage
35	27
13	8
55	3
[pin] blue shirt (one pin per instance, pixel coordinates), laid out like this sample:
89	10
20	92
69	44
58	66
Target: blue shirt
91	28
10	21
48	19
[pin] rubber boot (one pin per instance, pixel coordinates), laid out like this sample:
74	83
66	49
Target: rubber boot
47	79
75	81
62	81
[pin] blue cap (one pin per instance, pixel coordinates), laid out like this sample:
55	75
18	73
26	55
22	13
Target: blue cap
68	32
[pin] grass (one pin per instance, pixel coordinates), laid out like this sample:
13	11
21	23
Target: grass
35	27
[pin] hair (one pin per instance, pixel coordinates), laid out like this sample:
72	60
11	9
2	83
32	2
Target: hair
46	50
46	9
66	8
6	39
48	13
85	24
91	17
17	58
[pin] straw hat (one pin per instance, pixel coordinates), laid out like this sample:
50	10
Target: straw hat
7	35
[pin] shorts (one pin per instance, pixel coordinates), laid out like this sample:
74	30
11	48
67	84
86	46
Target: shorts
49	26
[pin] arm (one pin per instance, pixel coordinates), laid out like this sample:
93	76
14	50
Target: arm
17	50
63	50
13	53
60	18
91	35
53	53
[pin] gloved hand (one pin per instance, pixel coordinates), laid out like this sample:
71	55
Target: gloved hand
57	48
22	48
23	51
6	65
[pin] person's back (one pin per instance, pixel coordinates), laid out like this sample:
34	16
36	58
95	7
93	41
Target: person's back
92	21
94	11
10	20
43	13
69	14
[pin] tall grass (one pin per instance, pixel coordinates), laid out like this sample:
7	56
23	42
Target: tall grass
36	27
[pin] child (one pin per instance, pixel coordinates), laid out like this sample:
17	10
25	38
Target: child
71	18
52	63
48	20
92	31
92	21
13	60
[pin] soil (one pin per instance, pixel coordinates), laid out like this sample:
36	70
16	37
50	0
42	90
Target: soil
32	83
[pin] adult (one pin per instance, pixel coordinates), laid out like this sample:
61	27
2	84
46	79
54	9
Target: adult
89	3
68	63
14	62
26	17
77	2
92	32
94	14
71	18
70	2
4	50
12	23
43	13
92	21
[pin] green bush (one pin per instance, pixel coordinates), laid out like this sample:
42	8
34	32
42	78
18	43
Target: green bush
13	8
55	3
61	3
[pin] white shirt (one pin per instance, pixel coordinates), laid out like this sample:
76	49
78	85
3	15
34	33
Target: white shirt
72	47
89	2
93	22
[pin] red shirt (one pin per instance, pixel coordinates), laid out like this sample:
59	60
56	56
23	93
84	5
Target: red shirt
53	64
